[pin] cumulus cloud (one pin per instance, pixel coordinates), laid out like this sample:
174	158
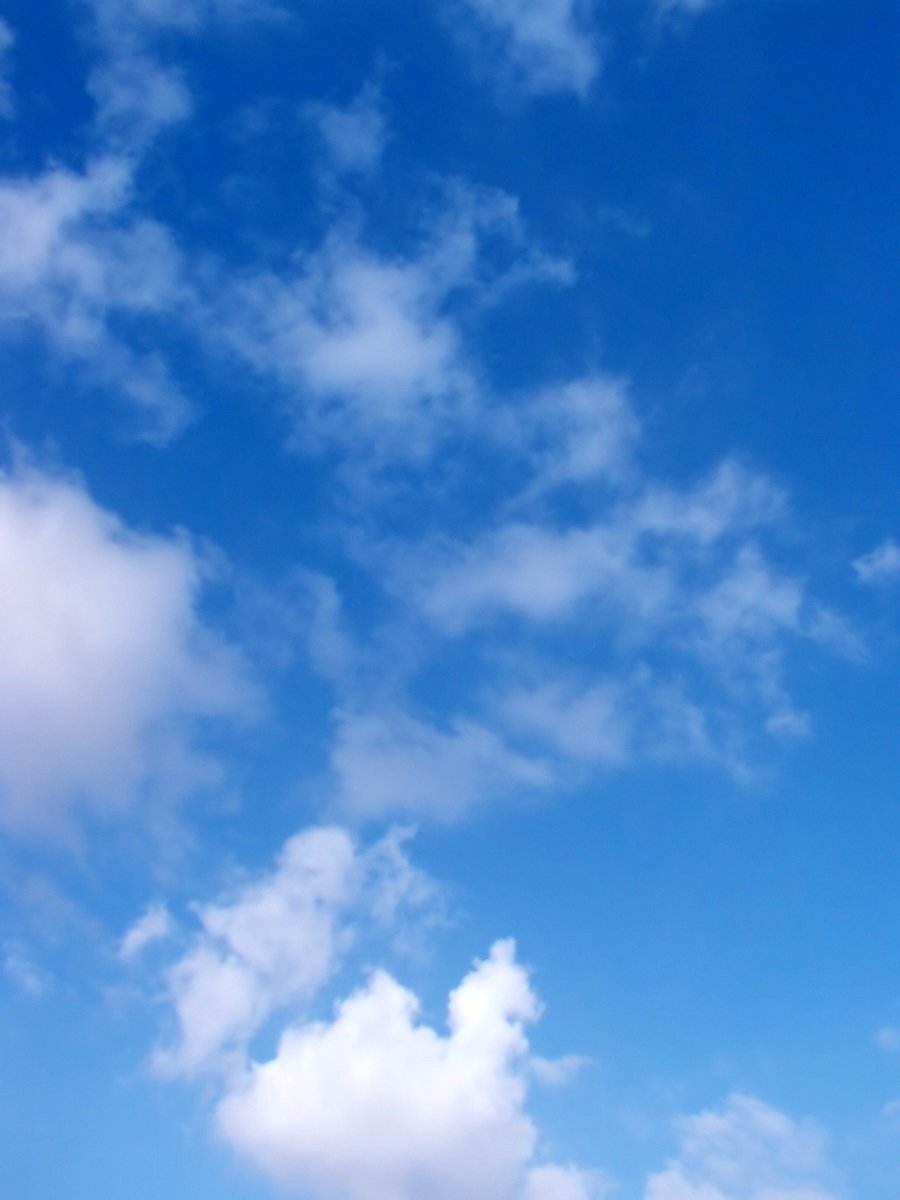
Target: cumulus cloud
376	1104
745	1151
74	262
545	45
278	939
107	665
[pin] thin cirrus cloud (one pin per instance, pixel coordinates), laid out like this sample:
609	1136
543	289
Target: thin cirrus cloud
107	664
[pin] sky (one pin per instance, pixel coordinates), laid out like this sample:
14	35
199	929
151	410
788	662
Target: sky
449	576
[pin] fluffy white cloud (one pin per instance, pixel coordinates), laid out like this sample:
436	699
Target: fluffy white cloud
72	260
277	940
881	565
389	762
106	663
745	1151
375	1105
545	44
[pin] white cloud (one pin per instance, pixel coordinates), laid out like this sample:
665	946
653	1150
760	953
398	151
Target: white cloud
683	609
354	135
888	1038
593	724
389	762
879	566
582	432
745	1151
155	925
631	561
73	263
136	95
21	970
278	939
136	98
7	41
692	7
375	1104
371	348
544	45
106	665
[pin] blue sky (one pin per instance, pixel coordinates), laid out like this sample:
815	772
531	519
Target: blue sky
449	563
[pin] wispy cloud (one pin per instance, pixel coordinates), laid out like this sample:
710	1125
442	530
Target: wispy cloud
7	41
539	45
880	566
746	1150
370	347
76	262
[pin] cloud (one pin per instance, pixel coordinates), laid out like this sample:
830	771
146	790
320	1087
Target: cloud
691	7
155	925
107	666
21	970
543	45
375	1104
592	724
633	561
7	41
74	263
880	566
354	136
138	96
369	347
277	940
389	762
745	1151
888	1038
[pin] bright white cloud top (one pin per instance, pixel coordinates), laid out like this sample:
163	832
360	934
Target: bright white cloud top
107	665
472	415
